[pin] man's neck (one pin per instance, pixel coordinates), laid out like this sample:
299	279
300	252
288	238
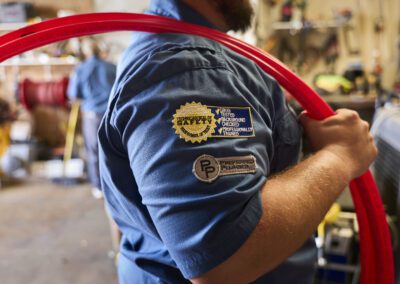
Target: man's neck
208	11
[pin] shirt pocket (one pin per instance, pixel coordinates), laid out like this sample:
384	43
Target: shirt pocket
287	142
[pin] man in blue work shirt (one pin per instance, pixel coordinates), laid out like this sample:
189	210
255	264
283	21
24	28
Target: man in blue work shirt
188	147
91	83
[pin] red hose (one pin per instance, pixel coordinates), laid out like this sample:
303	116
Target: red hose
376	251
43	93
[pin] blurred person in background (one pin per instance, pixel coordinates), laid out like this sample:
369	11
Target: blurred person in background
91	84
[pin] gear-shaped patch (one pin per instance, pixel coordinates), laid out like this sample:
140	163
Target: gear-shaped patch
194	122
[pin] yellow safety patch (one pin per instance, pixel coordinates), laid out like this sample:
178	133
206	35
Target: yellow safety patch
194	122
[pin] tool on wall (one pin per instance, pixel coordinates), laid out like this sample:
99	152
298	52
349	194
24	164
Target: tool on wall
379	28
351	40
287	11
376	249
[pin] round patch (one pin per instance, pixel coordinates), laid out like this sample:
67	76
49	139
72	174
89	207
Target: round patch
194	122
206	168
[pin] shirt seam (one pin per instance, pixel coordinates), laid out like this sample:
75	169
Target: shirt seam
143	89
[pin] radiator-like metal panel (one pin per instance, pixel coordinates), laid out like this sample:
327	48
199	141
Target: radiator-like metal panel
386	129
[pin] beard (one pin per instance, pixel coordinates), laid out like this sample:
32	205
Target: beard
237	13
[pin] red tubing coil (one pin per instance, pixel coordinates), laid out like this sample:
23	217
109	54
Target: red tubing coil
43	93
376	249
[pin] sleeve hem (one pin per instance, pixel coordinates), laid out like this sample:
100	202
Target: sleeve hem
241	232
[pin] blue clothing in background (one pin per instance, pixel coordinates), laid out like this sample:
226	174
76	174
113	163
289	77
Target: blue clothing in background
177	221
92	82
90	126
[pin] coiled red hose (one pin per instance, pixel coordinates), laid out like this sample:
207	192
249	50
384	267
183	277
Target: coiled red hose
376	250
43	93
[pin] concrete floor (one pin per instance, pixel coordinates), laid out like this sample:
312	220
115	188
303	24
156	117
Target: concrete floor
52	234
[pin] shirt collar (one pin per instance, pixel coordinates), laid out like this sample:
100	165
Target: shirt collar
178	10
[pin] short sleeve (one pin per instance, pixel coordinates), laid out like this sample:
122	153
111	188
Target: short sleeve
201	217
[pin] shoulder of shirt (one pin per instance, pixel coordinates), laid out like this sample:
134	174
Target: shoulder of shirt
152	59
155	57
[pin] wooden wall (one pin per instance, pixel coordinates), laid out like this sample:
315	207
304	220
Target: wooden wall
365	13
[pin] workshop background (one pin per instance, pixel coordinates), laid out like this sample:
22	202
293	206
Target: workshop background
52	230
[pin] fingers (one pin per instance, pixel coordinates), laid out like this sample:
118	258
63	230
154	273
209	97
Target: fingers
342	115
348	113
304	118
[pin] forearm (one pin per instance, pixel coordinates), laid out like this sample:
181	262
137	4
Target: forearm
293	203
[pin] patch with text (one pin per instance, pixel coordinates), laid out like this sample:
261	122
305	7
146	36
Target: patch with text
207	168
195	122
233	122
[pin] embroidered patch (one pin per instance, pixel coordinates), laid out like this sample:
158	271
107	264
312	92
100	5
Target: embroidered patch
194	122
207	168
233	122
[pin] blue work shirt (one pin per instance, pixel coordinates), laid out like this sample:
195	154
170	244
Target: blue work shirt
92	82
191	135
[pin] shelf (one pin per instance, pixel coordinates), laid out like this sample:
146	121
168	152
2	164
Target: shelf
42	60
298	25
8	27
50	61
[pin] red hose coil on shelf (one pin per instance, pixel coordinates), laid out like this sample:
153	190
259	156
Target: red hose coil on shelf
43	93
376	248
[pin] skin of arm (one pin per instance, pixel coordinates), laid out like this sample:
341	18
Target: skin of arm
295	202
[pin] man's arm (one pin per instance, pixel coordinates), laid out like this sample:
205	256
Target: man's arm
296	201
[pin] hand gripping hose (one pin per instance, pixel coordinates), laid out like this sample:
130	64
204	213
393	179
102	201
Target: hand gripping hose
375	244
